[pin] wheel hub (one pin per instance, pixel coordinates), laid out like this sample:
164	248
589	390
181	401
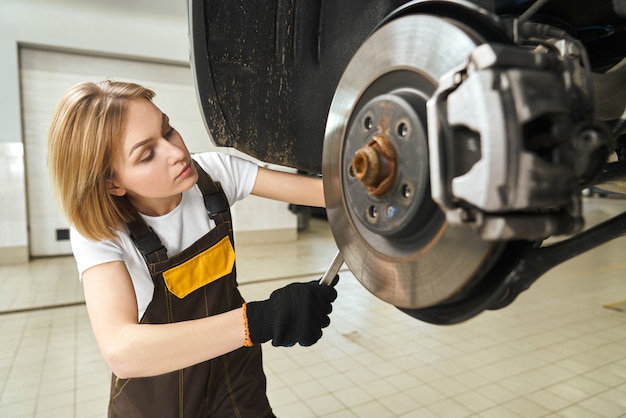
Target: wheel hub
388	165
374	165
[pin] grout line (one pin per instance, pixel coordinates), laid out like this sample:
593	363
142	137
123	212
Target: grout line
42	308
72	304
291	276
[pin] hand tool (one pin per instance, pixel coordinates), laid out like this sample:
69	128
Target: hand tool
333	269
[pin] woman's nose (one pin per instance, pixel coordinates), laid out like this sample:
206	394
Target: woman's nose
175	152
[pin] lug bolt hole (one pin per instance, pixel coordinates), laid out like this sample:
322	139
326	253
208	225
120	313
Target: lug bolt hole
406	191
403	130
368	123
372	212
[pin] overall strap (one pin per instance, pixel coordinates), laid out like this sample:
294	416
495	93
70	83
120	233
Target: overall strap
214	198
147	240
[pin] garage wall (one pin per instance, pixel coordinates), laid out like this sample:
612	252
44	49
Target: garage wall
154	31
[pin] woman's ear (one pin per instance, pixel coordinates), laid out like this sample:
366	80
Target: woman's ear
114	189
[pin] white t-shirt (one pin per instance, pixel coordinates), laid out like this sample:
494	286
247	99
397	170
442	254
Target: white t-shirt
177	230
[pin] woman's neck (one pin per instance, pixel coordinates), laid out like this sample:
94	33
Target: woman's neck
156	207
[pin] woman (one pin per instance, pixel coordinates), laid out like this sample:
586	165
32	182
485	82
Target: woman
152	238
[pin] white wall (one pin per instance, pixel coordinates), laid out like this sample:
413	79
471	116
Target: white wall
141	29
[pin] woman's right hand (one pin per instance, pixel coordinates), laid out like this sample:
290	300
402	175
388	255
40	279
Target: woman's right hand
293	314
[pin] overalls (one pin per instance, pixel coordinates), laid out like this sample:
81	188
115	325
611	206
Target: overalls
198	282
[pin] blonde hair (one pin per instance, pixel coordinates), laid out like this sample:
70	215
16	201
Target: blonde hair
83	137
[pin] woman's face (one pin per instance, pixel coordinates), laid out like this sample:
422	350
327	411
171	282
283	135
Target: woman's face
152	166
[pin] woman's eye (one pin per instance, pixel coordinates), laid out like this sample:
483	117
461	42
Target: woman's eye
168	133
147	156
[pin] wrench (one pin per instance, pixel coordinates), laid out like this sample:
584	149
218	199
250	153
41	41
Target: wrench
333	269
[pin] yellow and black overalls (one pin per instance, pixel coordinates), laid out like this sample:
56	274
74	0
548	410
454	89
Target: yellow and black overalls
198	282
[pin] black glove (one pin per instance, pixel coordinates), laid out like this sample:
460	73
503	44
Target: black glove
293	314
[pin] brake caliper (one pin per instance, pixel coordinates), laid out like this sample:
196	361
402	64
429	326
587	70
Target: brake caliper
512	141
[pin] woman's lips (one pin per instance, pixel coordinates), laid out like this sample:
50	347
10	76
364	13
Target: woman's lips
185	172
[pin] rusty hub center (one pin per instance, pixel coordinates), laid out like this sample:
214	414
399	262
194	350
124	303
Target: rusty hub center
374	165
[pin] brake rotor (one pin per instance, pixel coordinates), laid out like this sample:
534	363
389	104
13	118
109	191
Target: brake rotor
392	235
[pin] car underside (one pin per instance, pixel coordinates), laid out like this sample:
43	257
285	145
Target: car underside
453	137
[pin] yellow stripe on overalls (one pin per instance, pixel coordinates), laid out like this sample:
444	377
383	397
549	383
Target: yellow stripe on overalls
204	268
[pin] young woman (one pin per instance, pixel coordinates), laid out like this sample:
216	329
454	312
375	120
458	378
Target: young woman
152	238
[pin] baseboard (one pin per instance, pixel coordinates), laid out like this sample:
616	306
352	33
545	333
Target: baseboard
13	255
19	255
265	236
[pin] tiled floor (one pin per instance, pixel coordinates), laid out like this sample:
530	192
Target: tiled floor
556	352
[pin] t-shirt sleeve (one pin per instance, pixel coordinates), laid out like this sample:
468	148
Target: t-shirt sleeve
236	175
89	253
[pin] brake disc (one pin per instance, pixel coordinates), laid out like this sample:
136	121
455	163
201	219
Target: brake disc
393	237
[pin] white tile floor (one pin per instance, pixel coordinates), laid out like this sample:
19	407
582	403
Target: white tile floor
556	352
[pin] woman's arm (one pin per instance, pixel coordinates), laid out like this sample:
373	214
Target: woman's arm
137	350
289	187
